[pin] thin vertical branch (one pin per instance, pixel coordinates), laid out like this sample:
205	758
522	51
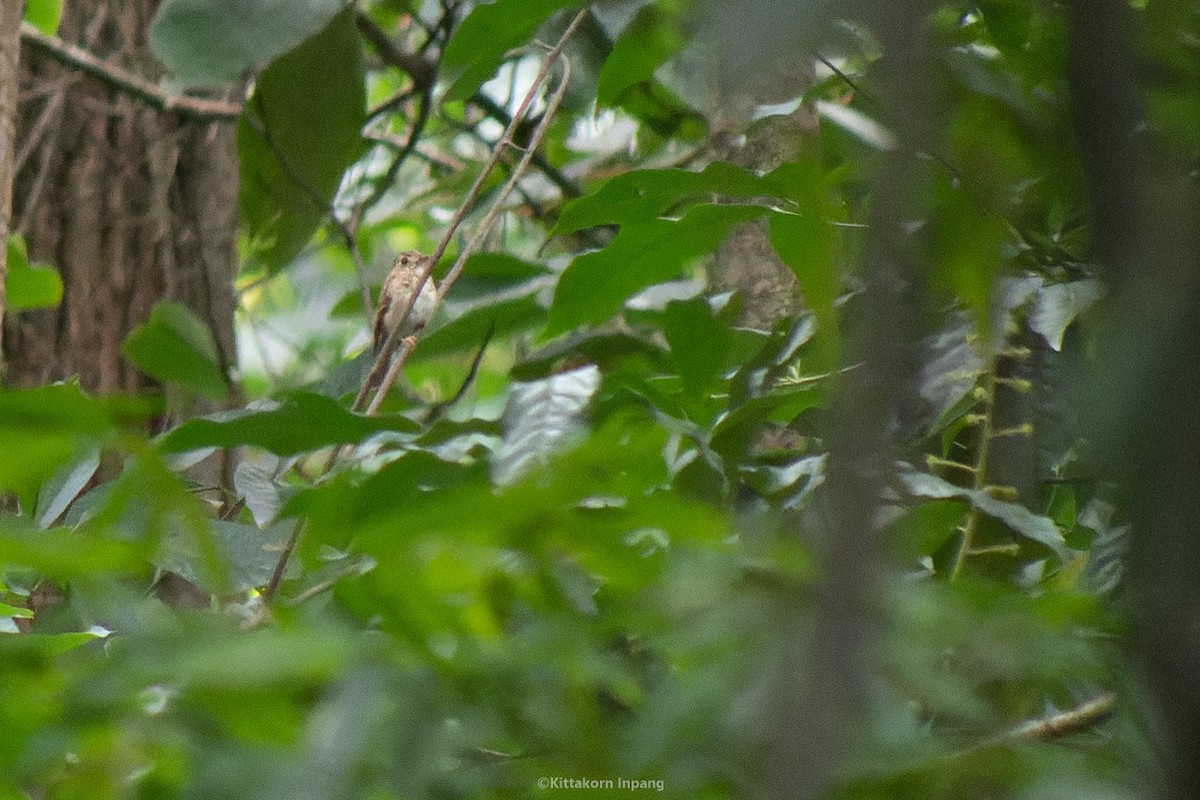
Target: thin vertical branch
383	359
485	226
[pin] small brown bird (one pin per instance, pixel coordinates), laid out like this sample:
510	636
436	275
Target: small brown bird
397	288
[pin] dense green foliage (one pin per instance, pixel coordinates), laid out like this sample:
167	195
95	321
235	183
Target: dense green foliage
590	566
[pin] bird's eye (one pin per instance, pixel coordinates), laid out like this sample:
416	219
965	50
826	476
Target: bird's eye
404	260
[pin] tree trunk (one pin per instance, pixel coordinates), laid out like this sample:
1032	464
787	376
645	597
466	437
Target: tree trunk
746	262
130	204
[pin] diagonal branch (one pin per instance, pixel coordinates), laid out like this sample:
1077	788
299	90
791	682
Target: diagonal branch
383	359
151	94
484	228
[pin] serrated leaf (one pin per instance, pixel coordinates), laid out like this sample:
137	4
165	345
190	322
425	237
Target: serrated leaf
539	418
29	286
1057	306
479	43
642	254
303	422
651	37
292	159
175	346
215	41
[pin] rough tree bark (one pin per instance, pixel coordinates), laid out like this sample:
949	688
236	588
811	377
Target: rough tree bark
746	262
130	204
10	17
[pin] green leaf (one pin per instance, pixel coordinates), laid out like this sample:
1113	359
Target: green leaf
29	286
595	285
1017	517
249	555
44	15
650	39
540	418
292	157
175	346
302	423
256	484
41	429
1057	306
63	554
699	343
732	434
264	657
485	274
65	485
471	326
641	194
968	243
216	41
478	45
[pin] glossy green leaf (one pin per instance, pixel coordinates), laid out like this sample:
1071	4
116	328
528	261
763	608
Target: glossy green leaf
1019	519
292	157
216	41
303	422
175	346
540	418
255	482
478	45
651	38
470	328
29	286
643	253
65	485
1056	306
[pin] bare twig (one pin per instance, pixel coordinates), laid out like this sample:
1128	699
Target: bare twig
435	411
490	107
485	226
1055	726
281	565
430	154
151	94
383	359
